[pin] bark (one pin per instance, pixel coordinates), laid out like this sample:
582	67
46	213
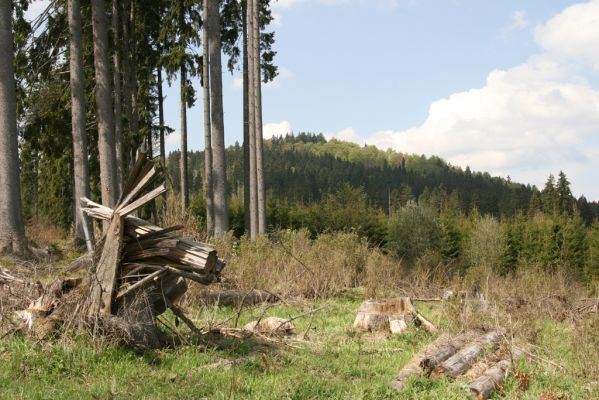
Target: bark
118	122
183	116
161	117
126	70
465	358
83	226
161	127
246	126
443	352
258	122
183	159
104	113
208	181
221	214
253	203
134	127
12	236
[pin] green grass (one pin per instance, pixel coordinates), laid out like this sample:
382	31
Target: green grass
336	363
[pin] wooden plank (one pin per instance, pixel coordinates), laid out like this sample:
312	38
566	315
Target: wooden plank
151	235
103	285
140	283
143	200
143	182
143	254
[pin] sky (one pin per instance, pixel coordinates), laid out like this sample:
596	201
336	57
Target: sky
503	86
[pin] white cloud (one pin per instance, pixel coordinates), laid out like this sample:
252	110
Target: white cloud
237	83
347	134
539	117
273	129
573	34
518	22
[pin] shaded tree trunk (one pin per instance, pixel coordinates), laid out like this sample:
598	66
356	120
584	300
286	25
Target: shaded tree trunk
104	113
161	116
118	122
12	236
246	123
126	72
134	127
261	198
251	123
83	226
208	181
183	159
221	215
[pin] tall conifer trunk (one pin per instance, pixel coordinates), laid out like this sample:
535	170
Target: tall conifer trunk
118	122
261	196
83	226
246	123
104	112
208	180
221	215
252	124
12	236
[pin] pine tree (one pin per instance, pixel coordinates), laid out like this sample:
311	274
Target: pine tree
12	236
565	200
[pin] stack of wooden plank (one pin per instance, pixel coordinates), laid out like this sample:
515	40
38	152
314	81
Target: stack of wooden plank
137	255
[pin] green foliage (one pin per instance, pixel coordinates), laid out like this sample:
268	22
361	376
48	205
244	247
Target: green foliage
414	232
486	246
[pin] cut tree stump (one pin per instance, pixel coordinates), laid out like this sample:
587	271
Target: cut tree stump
375	315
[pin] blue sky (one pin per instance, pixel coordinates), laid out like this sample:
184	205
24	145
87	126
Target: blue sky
508	87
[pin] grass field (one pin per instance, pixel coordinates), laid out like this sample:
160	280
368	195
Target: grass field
332	362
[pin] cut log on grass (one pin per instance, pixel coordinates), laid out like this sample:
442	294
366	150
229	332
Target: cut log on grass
443	352
413	368
426	324
465	358
492	378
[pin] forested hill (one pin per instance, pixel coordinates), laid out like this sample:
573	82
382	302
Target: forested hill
305	168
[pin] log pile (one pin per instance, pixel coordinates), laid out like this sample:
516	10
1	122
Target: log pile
457	356
137	254
139	271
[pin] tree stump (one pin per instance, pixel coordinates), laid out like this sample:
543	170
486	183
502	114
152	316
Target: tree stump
375	315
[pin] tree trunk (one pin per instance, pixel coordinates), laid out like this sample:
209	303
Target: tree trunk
83	226
208	181
183	159
161	123
161	117
258	121
126	71
221	214
246	123
134	127
252	124
12	236
463	359
118	122
104	114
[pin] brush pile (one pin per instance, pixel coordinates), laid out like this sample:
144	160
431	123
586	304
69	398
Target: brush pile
139	271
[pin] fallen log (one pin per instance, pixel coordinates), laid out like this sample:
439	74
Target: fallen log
413	367
465	357
493	377
444	351
271	326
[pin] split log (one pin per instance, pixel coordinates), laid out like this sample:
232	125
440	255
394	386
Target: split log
444	351
493	377
103	284
413	368
463	359
397	326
